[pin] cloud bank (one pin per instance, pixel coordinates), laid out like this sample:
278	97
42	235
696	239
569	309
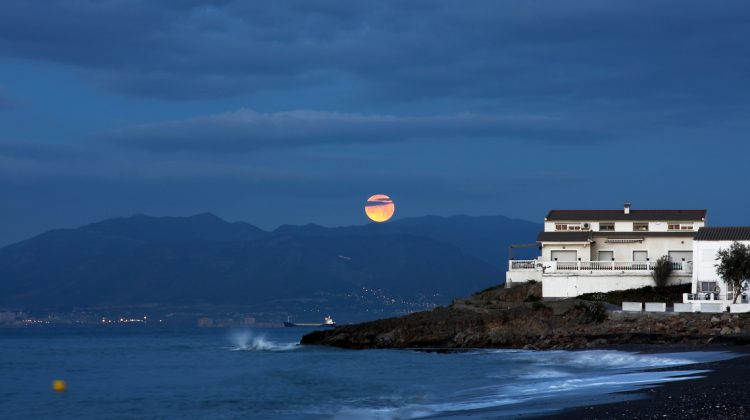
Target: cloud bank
393	49
246	130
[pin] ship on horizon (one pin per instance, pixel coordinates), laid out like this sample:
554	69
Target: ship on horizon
327	322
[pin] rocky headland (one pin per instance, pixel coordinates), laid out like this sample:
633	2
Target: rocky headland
517	318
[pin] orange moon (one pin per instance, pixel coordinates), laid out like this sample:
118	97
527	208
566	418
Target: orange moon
379	208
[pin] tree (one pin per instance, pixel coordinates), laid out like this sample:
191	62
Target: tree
734	267
662	271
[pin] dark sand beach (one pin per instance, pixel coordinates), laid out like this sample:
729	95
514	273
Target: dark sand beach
724	393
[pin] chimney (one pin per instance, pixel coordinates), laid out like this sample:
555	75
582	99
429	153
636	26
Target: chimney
627	207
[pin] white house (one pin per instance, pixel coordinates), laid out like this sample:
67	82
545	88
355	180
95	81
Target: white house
707	285
588	251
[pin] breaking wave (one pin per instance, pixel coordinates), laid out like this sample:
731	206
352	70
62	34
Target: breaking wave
613	359
560	378
247	341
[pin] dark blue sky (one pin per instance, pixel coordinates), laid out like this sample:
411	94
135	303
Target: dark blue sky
297	111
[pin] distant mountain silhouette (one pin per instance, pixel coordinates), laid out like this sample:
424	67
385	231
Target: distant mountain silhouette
204	226
484	237
205	260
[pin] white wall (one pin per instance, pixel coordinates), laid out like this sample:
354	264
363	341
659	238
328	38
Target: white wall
522	276
704	262
566	286
656	247
583	250
625	226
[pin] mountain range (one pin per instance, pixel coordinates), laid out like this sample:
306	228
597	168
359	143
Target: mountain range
203	259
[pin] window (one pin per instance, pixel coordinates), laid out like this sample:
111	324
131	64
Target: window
640	227
607	227
679	226
640	256
680	256
707	286
567	226
564	256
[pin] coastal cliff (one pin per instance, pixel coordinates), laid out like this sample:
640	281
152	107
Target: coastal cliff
517	318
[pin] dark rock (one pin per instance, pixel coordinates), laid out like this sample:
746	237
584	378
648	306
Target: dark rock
501	318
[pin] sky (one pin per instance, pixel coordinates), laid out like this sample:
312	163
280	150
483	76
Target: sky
296	112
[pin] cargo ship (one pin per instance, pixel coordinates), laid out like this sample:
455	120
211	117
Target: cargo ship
327	322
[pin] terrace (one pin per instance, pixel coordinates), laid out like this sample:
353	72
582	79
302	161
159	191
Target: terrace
593	267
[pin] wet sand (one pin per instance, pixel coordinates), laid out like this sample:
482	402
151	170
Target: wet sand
724	393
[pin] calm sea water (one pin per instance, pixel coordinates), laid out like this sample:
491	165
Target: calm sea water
146	373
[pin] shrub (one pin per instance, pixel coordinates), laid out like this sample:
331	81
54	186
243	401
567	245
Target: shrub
662	271
594	312
669	294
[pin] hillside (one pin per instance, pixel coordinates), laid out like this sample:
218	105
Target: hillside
484	237
205	260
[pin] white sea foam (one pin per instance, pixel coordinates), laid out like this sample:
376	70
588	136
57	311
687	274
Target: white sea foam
247	341
543	374
602	383
559	377
612	359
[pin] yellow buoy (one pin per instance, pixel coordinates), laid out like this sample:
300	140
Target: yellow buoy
59	385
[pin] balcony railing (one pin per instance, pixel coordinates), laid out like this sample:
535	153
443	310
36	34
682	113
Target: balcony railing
522	265
629	266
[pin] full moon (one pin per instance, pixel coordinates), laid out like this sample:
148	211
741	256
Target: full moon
379	208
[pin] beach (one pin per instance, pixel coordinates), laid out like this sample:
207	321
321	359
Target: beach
722	394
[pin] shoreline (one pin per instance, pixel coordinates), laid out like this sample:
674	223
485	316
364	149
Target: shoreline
710	390
720	393
518	318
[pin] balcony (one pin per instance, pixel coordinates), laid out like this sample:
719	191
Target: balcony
678	267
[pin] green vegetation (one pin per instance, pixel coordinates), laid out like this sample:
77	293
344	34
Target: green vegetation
593	312
734	267
662	271
668	294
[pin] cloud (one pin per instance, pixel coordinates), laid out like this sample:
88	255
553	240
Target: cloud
246	130
584	50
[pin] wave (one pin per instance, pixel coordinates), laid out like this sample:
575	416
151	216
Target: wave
523	400
247	341
613	359
560	378
617	359
541	374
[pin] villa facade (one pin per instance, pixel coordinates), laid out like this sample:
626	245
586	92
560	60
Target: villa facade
589	251
707	287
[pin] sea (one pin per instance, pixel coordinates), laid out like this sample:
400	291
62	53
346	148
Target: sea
143	372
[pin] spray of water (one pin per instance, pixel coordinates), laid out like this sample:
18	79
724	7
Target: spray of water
246	340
